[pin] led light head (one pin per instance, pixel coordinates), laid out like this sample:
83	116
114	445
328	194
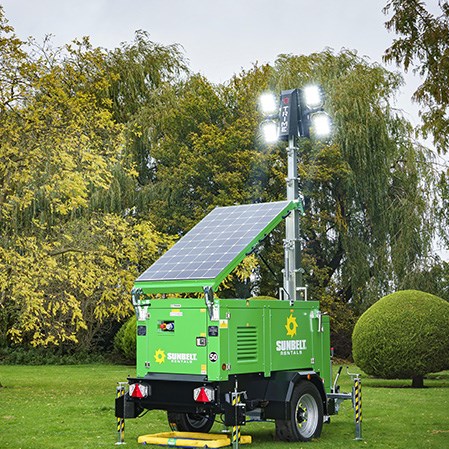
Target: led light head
321	124
270	131
268	103
313	96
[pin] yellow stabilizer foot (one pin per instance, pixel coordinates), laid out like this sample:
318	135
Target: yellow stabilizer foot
191	439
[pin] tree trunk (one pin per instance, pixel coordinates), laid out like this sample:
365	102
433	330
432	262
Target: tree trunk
418	382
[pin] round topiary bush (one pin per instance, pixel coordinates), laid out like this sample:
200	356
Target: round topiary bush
404	335
125	339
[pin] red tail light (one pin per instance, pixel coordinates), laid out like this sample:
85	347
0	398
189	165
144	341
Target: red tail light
138	391
203	394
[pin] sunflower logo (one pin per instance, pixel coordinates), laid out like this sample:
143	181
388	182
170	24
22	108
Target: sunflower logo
291	326
159	356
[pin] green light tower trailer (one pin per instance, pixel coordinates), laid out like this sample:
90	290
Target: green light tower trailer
196	355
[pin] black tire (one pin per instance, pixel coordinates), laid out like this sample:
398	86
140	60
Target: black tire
190	422
306	420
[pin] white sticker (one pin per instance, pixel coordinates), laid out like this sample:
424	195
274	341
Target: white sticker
142	314
215	313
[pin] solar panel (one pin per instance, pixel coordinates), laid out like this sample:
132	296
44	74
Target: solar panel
220	239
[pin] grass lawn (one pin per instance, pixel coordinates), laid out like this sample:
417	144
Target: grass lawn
56	407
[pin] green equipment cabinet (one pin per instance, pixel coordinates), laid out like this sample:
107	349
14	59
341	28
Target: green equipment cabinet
205	358
177	336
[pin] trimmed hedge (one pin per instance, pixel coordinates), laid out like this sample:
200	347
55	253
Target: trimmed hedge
403	335
125	339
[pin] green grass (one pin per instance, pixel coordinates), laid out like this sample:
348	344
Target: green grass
55	407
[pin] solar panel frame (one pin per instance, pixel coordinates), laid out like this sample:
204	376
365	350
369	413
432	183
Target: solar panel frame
214	247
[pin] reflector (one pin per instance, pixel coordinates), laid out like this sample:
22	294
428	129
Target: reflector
203	394
138	391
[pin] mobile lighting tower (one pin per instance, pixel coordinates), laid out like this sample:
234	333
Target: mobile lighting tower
204	358
298	111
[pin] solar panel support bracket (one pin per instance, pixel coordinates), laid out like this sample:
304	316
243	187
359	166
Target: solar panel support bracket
210	303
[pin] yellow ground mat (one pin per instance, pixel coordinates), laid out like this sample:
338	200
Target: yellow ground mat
191	439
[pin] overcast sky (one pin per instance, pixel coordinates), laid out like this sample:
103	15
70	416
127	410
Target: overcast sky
220	37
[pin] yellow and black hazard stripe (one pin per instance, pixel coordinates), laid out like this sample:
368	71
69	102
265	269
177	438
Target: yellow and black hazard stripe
358	400
235	428
120	421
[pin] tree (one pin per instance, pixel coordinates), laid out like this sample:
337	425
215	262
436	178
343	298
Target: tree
432	277
125	340
404	335
66	263
139	74
423	44
206	152
365	225
67	288
58	135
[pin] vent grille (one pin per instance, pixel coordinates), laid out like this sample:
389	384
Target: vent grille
246	344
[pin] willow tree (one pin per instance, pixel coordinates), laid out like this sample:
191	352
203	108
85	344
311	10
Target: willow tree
65	265
367	224
140	77
421	45
140	71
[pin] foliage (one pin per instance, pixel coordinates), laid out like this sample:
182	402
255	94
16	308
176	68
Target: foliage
239	283
206	153
342	320
431	278
106	157
139	73
125	339
423	44
64	289
403	335
59	137
365	224
66	263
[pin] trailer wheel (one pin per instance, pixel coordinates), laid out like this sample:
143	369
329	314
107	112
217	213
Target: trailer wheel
306	420
190	422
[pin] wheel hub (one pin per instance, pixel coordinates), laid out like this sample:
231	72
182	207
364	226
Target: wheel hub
301	414
306	415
